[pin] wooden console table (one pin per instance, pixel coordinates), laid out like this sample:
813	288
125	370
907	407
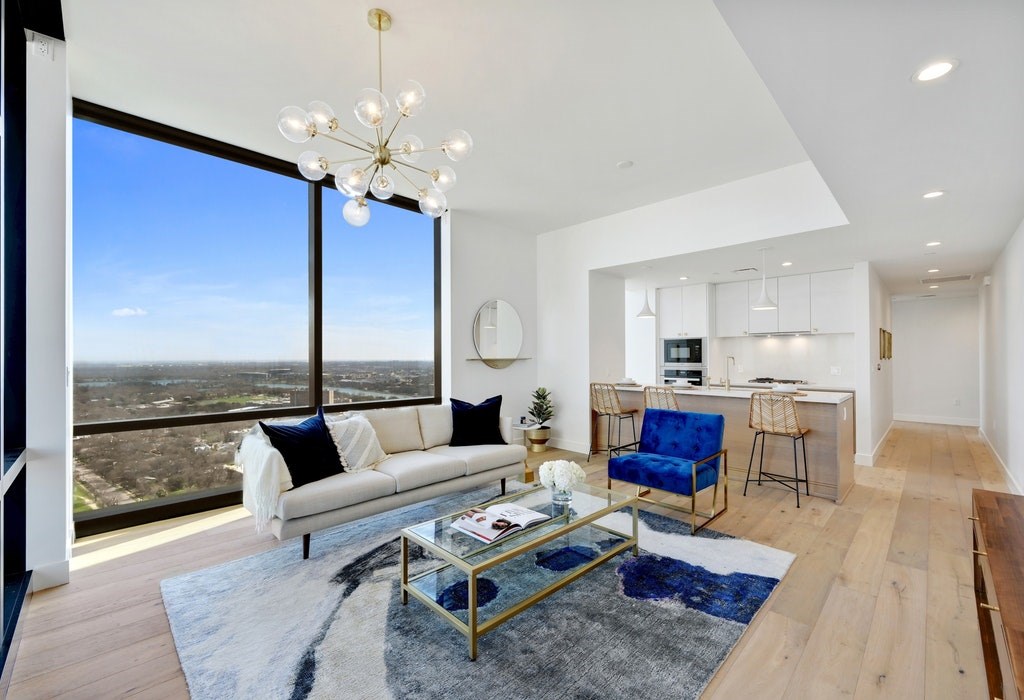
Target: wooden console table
999	589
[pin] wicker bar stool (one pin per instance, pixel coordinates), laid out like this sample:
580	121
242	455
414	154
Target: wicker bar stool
775	414
604	400
660	397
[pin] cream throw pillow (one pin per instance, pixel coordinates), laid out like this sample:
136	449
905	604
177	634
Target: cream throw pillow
357	442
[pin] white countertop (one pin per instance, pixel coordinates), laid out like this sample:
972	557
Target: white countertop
801	387
833	397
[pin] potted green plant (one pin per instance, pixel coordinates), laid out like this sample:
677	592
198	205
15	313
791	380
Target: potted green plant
541	410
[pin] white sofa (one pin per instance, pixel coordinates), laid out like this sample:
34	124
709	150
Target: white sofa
420	465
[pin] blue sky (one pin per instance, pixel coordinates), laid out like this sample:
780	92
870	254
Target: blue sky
178	255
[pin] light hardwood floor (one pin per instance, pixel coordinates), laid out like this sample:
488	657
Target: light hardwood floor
878	603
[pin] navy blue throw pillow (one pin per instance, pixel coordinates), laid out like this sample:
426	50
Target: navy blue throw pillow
476	425
307	448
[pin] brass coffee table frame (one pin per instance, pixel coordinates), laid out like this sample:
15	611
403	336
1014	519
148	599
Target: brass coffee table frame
474	629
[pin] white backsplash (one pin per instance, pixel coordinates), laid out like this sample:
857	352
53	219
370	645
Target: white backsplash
808	357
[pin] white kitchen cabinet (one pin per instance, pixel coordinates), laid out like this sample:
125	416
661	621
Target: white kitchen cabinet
732	303
794	304
767	320
683	311
832	302
670	312
695	311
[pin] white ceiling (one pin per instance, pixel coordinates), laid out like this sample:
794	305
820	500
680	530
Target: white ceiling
555	94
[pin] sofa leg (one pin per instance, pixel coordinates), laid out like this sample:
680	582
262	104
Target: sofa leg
305	546
503	484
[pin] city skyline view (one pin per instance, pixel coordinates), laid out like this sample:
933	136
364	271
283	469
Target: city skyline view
179	256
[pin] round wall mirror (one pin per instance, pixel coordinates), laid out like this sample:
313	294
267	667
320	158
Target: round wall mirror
498	333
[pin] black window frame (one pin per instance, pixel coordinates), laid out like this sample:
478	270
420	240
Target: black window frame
116	517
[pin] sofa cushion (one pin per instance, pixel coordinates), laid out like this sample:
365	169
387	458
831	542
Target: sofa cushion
356	440
307	448
334	492
481	458
435	425
476	425
398	429
413	469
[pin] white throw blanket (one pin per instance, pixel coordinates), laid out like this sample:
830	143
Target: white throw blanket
264	477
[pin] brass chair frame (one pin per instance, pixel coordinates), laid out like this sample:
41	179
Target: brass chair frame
709	516
604	400
660	397
775	414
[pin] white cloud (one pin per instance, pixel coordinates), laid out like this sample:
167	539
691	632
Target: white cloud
128	311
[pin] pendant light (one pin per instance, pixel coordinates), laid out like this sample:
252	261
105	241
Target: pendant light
764	302
646	311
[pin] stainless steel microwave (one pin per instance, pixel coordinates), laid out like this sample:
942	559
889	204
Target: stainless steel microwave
684	352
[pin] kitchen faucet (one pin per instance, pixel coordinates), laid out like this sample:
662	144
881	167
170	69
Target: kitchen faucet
727	359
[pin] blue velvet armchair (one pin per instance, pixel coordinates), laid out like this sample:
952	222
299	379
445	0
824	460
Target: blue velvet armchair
679	452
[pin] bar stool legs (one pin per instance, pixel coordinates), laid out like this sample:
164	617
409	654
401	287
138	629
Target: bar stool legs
790	482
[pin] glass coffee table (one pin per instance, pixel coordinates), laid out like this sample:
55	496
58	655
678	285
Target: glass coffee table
574	541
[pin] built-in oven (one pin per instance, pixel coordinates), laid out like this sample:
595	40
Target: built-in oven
684	353
696	377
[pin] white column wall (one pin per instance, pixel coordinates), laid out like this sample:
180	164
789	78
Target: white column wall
874	376
48	336
1002	345
936	362
782	202
489	261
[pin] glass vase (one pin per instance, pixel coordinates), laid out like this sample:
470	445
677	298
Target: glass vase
561	496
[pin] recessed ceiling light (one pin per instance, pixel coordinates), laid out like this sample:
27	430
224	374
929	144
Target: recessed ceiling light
934	70
935	269
933	286
933	194
624	164
932	244
684	277
786	264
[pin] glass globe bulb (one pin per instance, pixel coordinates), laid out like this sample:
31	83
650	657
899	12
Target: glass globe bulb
433	202
457	144
323	116
410	98
382	186
313	166
443	178
295	125
356	212
371	108
411	148
351	180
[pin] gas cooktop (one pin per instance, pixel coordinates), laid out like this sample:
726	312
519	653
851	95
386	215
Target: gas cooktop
772	380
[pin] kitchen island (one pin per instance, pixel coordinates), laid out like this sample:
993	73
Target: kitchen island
830	442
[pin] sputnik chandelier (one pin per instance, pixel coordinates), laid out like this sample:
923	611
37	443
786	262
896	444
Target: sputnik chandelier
375	168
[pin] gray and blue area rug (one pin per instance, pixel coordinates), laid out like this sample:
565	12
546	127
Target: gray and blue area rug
655	626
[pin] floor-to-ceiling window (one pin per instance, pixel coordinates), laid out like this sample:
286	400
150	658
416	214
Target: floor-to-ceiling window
214	286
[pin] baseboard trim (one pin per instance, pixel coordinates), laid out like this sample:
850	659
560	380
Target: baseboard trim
49	575
940	420
1014	485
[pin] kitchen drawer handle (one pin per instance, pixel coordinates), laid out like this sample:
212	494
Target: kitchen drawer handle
980	554
971	517
989	607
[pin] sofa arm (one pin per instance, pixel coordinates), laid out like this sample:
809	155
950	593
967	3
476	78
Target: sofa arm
505	426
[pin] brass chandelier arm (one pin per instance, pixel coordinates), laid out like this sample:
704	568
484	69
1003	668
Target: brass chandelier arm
404	176
357	137
350	160
365	149
411	167
392	132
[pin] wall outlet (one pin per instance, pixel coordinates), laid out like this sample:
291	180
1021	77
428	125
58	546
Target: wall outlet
739	369
42	46
835	371
956	402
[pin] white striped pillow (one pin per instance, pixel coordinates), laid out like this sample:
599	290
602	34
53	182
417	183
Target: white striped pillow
357	442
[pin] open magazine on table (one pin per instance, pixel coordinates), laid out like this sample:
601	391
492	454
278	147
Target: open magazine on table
497	521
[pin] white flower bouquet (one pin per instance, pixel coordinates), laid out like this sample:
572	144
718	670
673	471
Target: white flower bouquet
561	474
